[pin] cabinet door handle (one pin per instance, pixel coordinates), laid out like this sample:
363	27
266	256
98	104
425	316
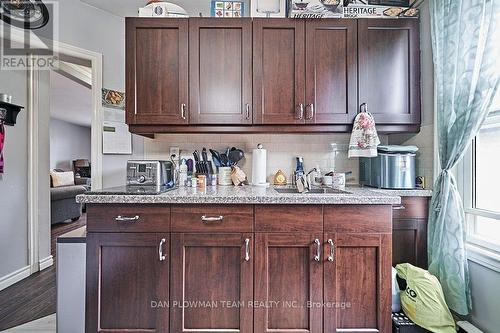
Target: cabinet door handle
206	219
401	207
332	251
317	257
311	113
120	218
301	111
247	111
160	250
183	111
247	249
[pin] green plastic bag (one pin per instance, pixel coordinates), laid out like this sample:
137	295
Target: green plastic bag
423	300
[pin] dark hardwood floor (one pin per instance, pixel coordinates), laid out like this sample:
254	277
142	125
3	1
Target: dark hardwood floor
35	296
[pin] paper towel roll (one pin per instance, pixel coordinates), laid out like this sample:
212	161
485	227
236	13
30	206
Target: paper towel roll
259	168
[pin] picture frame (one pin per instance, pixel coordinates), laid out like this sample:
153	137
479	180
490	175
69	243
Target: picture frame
227	9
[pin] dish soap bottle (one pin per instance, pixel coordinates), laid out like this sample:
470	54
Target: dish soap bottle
183	173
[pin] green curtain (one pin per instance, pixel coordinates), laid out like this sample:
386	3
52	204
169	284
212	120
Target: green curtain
465	38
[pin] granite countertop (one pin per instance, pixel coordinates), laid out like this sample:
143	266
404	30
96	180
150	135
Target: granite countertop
405	193
242	195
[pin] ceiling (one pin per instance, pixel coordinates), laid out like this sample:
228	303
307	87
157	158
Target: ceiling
70	101
125	8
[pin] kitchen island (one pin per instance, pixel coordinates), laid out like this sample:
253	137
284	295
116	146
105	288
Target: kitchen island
239	259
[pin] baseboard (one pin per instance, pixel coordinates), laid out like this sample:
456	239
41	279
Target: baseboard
16	276
46	262
466	327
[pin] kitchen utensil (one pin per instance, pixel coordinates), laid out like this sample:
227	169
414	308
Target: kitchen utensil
215	157
196	156
235	156
224	160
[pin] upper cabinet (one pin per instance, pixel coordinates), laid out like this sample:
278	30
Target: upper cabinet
278	64
331	71
157	71
389	69
271	75
220	71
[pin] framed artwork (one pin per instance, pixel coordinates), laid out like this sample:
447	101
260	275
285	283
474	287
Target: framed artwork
227	9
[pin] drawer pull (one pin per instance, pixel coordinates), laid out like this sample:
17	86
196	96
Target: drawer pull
317	257
332	251
206	219
160	250
120	218
247	249
401	207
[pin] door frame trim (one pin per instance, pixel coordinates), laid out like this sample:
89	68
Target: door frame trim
33	131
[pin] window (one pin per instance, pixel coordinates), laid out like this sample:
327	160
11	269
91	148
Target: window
479	177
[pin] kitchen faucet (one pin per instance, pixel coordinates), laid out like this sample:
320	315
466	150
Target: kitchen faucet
303	181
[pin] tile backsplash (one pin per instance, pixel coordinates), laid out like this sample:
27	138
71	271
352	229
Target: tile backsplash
281	149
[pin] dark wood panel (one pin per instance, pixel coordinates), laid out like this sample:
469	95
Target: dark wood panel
409	242
389	52
289	218
331	71
124	275
287	275
412	207
220	77
279	73
211	268
157	70
235	218
358	218
148	131
358	282
152	218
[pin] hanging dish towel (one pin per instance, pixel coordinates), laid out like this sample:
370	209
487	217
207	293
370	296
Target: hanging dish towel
364	138
2	140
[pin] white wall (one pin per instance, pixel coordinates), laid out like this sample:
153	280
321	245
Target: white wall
14	183
68	142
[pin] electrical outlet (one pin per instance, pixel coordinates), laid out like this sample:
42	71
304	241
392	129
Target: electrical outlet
175	151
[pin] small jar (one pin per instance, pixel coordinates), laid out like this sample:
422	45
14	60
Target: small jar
202	181
194	182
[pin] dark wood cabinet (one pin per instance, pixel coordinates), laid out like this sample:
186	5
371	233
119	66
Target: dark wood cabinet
125	279
278	71
209	270
331	71
389	69
357	282
271	75
409	232
220	76
157	71
288	277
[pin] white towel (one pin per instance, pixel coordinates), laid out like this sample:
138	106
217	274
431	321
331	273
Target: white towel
364	138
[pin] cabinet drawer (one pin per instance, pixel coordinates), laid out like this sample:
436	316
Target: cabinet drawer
212	218
358	218
289	218
128	218
412	207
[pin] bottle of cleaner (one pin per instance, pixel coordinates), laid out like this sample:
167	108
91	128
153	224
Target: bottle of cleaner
183	173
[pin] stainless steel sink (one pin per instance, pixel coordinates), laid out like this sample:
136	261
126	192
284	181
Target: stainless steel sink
326	190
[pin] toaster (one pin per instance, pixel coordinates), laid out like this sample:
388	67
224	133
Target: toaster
389	170
150	173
